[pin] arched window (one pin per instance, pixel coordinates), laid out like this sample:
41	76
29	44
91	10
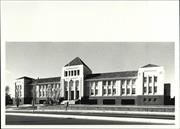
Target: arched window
71	84
77	84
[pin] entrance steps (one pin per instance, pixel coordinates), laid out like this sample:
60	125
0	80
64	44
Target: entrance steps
69	101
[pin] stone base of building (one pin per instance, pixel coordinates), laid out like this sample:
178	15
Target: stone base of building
128	100
23	100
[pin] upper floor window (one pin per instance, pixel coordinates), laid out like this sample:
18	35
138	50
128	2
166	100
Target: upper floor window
78	72
104	91
133	82
96	91
96	83
128	82
133	91
155	79
92	91
145	79
109	90
74	72
123	82
114	82
150	89
104	83
114	90
69	73
109	83
144	89
122	91
65	73
155	89
128	90
150	79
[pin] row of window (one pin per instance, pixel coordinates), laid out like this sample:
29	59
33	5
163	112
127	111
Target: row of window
49	86
72	73
150	99
71	83
18	93
149	89
150	79
18	87
112	91
113	82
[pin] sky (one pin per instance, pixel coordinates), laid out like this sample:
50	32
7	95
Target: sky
24	24
46	59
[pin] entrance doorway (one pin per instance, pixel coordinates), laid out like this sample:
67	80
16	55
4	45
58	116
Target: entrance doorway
66	95
72	95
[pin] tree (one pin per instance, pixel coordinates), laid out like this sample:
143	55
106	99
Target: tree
8	97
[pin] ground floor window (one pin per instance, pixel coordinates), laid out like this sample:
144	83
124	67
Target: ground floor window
127	101
108	101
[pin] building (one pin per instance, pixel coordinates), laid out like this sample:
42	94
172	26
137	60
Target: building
78	84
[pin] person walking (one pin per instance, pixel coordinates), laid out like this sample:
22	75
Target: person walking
17	102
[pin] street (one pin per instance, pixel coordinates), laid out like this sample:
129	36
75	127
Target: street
29	120
83	118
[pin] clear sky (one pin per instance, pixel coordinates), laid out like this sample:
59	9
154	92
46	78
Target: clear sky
46	59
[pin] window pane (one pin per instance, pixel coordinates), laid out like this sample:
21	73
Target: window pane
150	79
133	90
104	83
155	78
150	89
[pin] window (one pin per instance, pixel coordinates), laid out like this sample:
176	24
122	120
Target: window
155	89
109	91
145	79
155	99
92	91
69	73
144	89
65	73
96	83
155	79
128	90
122	91
128	82
109	83
149	99
145	99
133	91
150	79
133	82
114	91
114	82
123	82
104	91
78	72
96	91
74	72
104	83
150	89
